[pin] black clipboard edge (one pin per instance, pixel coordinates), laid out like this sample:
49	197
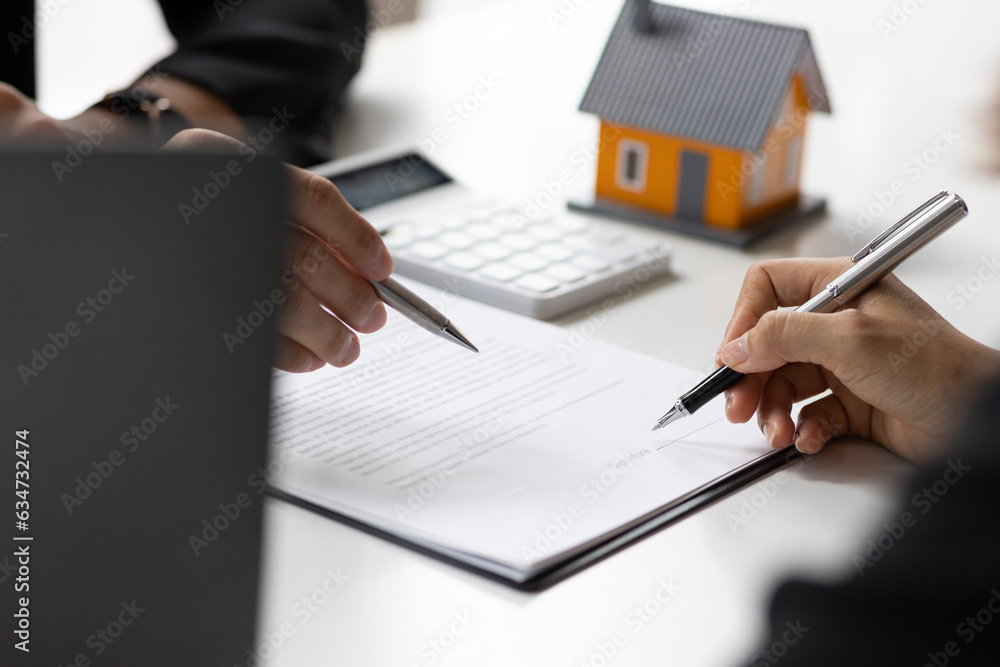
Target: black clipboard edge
650	524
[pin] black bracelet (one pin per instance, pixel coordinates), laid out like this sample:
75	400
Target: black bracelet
160	122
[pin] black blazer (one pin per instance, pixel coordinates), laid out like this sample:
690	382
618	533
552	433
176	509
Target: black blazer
265	58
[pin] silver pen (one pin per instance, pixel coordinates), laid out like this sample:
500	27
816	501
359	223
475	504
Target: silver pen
872	263
407	303
419	311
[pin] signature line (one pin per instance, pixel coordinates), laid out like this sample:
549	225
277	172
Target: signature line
689	434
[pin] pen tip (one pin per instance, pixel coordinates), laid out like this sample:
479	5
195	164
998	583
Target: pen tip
668	418
453	334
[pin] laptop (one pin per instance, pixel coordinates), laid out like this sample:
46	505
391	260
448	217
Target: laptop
134	404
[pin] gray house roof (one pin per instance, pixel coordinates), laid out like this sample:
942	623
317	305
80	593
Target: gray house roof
707	77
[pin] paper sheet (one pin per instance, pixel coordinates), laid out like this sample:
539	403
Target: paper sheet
538	446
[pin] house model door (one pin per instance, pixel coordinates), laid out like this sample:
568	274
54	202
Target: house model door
693	180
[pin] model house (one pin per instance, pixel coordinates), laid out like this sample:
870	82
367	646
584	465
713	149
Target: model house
703	117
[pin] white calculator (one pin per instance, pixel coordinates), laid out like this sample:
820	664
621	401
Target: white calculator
442	234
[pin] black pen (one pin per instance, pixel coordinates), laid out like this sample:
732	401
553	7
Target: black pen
872	263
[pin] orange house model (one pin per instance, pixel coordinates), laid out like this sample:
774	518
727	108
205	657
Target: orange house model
703	119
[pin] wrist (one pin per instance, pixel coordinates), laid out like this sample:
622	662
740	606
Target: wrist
145	116
198	106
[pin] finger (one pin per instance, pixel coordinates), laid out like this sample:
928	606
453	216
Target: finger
201	138
820	422
786	336
292	357
305	322
347	295
743	397
317	206
780	282
785	387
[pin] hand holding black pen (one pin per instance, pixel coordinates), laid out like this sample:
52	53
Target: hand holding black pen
871	264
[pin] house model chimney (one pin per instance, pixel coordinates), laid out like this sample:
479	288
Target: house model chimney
642	16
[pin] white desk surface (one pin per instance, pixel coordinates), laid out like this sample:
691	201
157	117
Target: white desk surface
892	93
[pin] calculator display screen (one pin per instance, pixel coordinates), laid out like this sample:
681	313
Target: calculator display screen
383	182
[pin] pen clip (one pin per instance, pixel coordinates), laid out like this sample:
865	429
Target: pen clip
864	252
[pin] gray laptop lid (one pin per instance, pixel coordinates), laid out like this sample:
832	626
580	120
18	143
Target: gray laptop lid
134	405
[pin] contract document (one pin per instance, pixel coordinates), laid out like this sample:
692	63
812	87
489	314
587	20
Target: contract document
515	462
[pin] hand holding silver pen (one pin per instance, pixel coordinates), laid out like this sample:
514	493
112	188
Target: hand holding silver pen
411	306
883	385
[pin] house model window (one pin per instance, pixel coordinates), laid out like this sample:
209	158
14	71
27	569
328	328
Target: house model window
633	163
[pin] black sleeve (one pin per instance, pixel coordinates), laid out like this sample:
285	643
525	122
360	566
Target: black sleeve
285	59
925	588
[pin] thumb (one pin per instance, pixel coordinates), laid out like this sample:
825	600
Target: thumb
786	336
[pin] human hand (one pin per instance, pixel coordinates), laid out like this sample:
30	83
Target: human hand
332	251
898	372
22	121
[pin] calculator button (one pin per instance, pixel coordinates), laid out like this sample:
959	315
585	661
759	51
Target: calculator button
482	231
518	241
492	251
396	241
565	273
621	252
591	263
500	272
584	242
528	262
537	283
571	225
464	261
456	240
427	231
554	252
546	231
428	250
509	221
